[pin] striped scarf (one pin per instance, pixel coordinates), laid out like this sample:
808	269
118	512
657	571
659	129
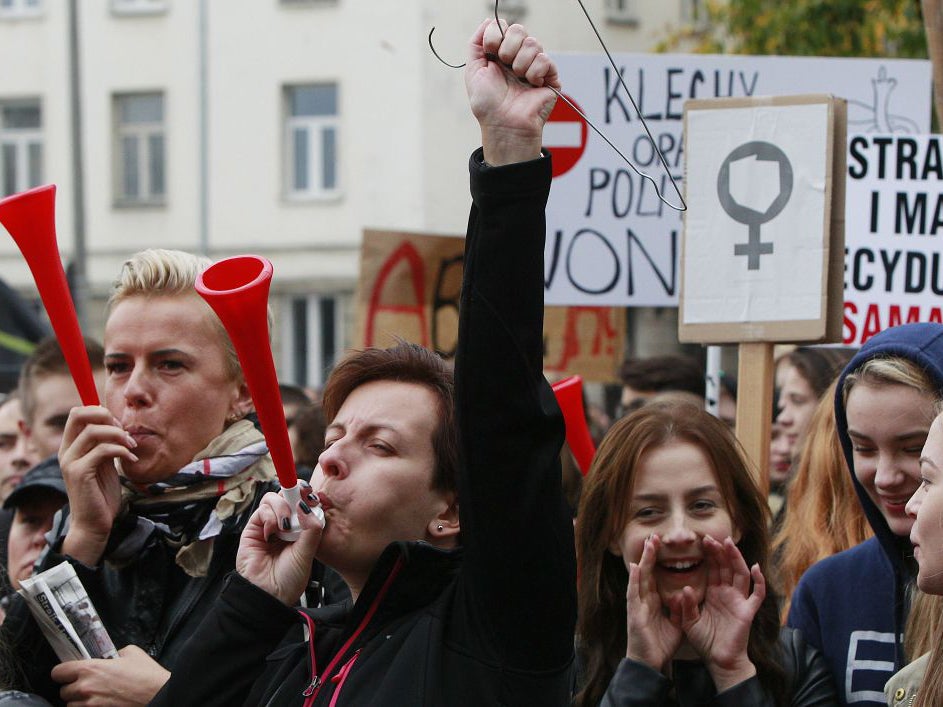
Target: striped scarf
230	470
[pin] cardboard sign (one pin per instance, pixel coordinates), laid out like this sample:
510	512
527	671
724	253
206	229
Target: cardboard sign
409	289
763	235
610	240
893	272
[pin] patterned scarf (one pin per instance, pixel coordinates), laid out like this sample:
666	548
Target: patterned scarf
230	470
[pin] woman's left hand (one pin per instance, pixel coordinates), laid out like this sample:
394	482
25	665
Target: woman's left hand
133	678
719	629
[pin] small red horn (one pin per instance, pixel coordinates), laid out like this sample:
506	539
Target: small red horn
569	392
237	290
30	218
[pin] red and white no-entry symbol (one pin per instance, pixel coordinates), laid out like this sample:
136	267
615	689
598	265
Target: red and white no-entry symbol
565	136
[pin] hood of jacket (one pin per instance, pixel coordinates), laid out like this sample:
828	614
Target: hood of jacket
923	344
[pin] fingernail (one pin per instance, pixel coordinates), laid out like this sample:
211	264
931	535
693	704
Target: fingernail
286	524
304	507
313	498
134	457
131	442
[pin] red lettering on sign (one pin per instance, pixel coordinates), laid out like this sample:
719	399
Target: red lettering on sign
407	253
894	318
605	334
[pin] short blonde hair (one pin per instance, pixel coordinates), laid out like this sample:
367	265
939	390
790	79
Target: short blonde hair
157	272
889	370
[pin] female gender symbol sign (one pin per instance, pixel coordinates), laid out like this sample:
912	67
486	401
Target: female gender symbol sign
761	152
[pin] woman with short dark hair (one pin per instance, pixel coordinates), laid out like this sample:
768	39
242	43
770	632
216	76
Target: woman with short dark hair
408	473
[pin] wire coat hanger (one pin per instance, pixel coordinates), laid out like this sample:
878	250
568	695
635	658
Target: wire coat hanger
648	132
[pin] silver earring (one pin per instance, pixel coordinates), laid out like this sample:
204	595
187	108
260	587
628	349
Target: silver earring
439	527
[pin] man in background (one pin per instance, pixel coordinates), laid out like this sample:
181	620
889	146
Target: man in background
47	393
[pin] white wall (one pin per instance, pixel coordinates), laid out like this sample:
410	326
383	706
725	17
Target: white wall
406	132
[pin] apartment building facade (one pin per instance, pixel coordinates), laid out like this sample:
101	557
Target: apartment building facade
280	127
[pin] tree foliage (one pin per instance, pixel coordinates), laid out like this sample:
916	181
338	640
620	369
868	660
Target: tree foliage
857	28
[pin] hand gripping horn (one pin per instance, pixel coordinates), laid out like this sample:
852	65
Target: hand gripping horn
569	392
237	290
30	219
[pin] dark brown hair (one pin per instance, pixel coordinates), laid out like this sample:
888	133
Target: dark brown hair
660	373
404	363
47	360
603	514
819	366
309	426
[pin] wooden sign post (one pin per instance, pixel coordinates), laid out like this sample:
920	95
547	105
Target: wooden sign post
763	246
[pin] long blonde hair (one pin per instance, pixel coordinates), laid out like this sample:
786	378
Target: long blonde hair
823	515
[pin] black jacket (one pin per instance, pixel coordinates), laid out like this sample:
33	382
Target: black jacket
151	603
491	624
809	682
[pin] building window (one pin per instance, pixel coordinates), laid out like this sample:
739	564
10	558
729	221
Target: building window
510	10
21	146
621	12
139	7
311	141
693	12
15	9
140	160
312	337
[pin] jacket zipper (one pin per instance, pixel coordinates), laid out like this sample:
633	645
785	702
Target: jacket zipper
310	693
341	678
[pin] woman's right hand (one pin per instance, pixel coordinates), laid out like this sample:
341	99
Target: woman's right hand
91	441
280	567
653	636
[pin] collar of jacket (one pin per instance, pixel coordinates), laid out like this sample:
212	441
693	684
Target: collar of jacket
426	572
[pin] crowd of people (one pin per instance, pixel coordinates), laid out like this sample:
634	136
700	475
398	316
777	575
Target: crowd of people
449	553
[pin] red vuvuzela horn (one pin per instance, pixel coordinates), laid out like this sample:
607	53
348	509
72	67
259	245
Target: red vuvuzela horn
237	290
29	217
569	392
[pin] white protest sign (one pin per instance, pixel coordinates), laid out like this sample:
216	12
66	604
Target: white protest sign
893	273
610	240
759	233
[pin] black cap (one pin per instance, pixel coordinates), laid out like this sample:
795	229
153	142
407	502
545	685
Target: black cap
45	476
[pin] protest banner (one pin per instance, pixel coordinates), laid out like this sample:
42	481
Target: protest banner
610	240
763	245
763	239
893	271
409	289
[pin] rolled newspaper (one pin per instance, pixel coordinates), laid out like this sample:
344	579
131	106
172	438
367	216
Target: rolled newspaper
59	603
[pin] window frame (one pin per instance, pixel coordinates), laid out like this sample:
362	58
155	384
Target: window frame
313	371
136	8
314	126
20	9
21	139
142	132
622	12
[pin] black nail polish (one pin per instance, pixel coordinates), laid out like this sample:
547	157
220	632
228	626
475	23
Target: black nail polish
286	524
304	507
313	498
